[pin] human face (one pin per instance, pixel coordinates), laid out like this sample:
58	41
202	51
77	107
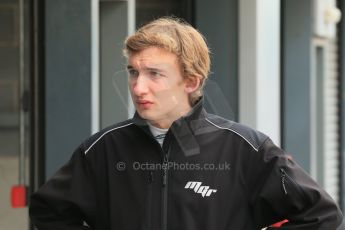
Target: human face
157	87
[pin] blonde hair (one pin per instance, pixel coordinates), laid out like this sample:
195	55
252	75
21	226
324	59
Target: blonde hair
179	38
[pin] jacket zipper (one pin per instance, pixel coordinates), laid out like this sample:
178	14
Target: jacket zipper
165	181
149	200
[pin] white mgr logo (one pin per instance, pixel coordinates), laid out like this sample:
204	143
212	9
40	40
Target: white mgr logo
197	188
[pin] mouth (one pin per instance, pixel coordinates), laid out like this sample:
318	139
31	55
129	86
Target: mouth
145	104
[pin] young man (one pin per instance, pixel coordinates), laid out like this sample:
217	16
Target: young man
174	166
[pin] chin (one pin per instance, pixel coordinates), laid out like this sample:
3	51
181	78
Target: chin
145	114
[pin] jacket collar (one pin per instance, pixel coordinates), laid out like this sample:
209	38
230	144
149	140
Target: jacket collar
197	112
181	128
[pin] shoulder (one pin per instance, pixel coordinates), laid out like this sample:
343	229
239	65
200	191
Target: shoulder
253	137
95	138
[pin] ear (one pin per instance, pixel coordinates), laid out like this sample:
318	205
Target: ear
192	83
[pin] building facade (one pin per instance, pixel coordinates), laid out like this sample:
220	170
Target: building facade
277	66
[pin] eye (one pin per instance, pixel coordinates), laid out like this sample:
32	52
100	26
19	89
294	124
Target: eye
155	74
132	73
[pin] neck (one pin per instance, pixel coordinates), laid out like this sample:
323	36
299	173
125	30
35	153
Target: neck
167	122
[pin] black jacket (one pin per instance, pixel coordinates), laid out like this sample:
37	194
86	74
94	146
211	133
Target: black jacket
210	174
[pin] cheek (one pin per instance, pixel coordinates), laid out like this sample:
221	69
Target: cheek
130	83
172	98
130	87
165	98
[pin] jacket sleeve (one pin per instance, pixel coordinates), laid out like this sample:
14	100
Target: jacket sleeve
66	201
280	189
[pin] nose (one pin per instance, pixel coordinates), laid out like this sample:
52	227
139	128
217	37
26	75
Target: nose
140	85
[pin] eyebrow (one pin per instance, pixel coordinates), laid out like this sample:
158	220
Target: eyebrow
148	68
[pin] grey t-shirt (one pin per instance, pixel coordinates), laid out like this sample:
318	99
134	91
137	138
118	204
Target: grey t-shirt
158	133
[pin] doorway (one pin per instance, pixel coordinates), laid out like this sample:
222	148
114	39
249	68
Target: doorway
13	109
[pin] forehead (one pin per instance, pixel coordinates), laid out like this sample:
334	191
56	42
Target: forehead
153	56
